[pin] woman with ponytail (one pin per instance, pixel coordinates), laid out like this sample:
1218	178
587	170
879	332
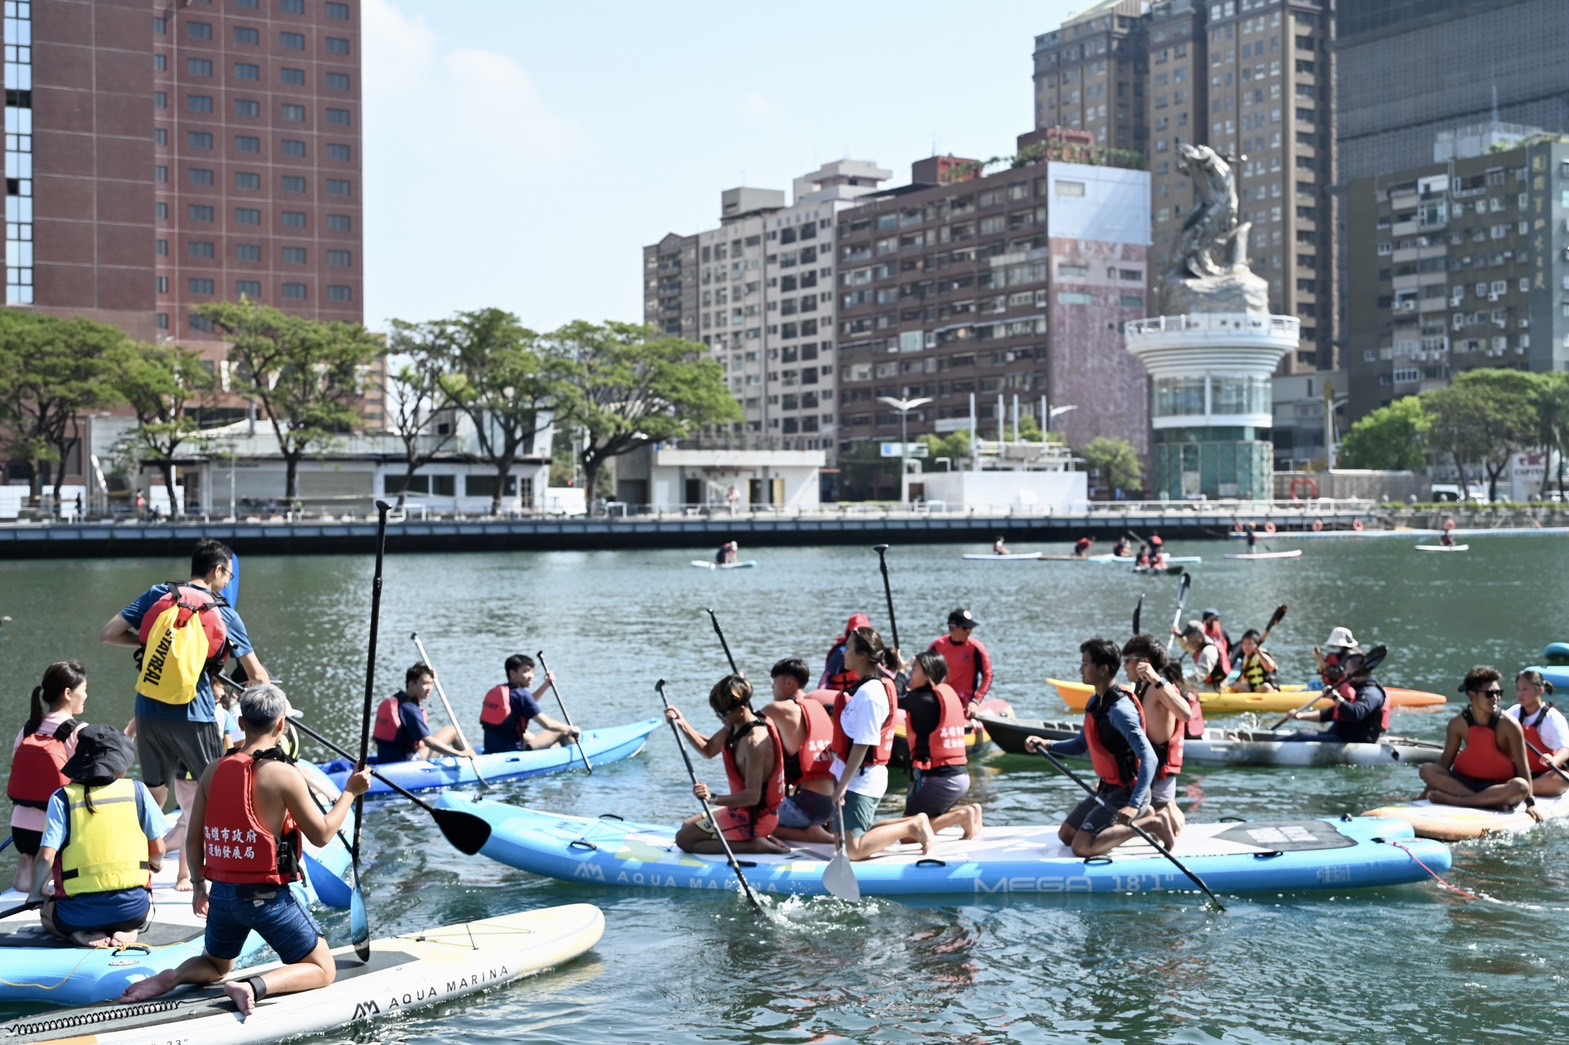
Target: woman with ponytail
46	742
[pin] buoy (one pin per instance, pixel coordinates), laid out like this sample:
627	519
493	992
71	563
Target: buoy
1356	524
1269	527
1318	525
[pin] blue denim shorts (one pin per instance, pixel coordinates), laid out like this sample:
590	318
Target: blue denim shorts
273	911
805	808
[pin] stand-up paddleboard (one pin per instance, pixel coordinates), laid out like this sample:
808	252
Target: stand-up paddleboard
1010	557
1443	548
1295	553
1231	857
709	565
405	972
1459	823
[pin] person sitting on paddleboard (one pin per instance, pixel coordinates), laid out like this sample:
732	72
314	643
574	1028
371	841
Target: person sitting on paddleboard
37	773
727	554
1485	763
1119	748
1142	563
835	675
807	733
255	792
1081	547
1207	674
1546	733
403	728
969	663
1121	548
999	548
1259	673
511	706
1252	538
754	766
934	722
1360	713
103	840
1170	715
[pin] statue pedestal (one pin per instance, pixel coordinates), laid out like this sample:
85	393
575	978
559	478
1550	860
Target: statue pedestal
1214	406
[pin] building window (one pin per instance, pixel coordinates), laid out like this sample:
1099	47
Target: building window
339	187
247	71
292	41
247	107
340	223
161	209
202	249
248	288
199	212
199	176
199	102
294	219
198	30
338	12
292	7
247	252
161	136
247	216
163	321
160	63
200	322
340	293
293	113
246	143
340	117
337	45
293	183
247	35
160	99
337	81
340	259
294	255
160	174
293	147
295	291
201	286
196	66
293	77
248	5
162	248
199	140
161	285
341	153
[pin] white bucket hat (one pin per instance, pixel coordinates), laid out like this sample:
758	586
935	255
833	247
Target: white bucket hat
1341	638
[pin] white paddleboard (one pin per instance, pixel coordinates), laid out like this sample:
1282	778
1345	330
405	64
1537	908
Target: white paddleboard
1295	553
1010	557
1442	548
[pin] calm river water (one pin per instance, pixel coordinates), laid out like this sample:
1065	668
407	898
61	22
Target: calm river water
1414	963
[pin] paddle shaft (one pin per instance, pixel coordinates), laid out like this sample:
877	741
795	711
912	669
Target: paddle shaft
361	933
1071	775
447	704
19	908
562	704
344	753
735	865
1182	602
714	619
882	562
1374	658
1545	757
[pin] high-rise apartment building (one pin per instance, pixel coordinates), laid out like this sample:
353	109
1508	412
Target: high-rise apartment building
1250	78
760	291
166	155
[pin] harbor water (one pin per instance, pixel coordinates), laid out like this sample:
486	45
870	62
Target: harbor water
1416	963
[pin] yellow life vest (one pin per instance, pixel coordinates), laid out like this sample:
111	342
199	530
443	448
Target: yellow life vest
1258	668
105	850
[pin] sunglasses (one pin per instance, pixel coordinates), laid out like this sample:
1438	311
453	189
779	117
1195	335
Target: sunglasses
1491	692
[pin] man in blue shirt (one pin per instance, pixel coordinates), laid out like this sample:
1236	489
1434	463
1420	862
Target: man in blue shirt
510	707
411	734
169	736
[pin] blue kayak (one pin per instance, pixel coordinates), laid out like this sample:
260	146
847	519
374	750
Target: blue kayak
600	745
1273	856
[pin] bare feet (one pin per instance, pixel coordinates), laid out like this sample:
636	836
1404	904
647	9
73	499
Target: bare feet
151	987
240	992
182	884
971	824
775	844
92	939
1161	832
123	938
924	832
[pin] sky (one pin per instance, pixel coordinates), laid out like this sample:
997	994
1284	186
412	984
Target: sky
520	154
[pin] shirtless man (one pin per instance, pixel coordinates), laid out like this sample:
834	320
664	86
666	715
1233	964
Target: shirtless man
1484	764
754	764
1167	712
807	733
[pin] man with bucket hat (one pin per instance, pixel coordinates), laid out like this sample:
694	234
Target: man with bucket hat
103	840
1360	712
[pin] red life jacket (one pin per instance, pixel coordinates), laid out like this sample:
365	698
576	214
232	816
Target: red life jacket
884	750
1217	635
1114	760
36	769
497	706
389	722
945	744
1533	739
1349	692
844	678
1195	726
773	789
964	665
1480	759
240	850
815	760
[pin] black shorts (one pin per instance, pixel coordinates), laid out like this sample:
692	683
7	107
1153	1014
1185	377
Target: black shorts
26	842
1476	785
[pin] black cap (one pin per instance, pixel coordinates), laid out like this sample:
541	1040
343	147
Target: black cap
962	618
103	754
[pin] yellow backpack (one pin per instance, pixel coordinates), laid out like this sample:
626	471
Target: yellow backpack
180	634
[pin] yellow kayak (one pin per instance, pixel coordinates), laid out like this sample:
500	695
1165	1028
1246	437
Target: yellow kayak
1077	696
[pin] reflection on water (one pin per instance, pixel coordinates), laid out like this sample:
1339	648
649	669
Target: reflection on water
1385	965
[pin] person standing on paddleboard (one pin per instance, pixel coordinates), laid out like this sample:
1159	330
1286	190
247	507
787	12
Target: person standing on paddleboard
256	792
807	734
1484	764
1546	730
1360	713
969	663
754	766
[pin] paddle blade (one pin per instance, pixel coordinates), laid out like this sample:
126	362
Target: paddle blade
1182	592
1276	617
467	833
1138	608
359	925
839	880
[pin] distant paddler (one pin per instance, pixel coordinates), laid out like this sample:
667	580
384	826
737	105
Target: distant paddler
1081	547
999	548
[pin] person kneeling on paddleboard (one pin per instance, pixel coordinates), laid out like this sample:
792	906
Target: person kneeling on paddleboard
1484	764
939	764
754	764
1360	713
255	793
806	733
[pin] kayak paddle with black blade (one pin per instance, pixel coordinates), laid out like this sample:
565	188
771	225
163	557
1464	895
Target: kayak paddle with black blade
1359	666
882	562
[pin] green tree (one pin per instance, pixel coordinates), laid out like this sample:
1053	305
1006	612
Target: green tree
1393	437
308	377
419	389
1486	416
160	382
1552	399
1116	461
631	386
52	371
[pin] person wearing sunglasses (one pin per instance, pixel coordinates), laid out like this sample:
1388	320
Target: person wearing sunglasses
1484	764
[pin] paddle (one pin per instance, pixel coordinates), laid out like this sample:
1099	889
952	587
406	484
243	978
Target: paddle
746	887
1274	619
445	703
1370	660
1182	602
231	591
359	923
467	833
565	717
1138	608
721	633
882	562
19	908
1162	850
839	879
1544	756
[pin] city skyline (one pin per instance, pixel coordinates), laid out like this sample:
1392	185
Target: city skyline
621	164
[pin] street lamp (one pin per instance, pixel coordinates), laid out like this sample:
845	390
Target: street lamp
904	406
1055	412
